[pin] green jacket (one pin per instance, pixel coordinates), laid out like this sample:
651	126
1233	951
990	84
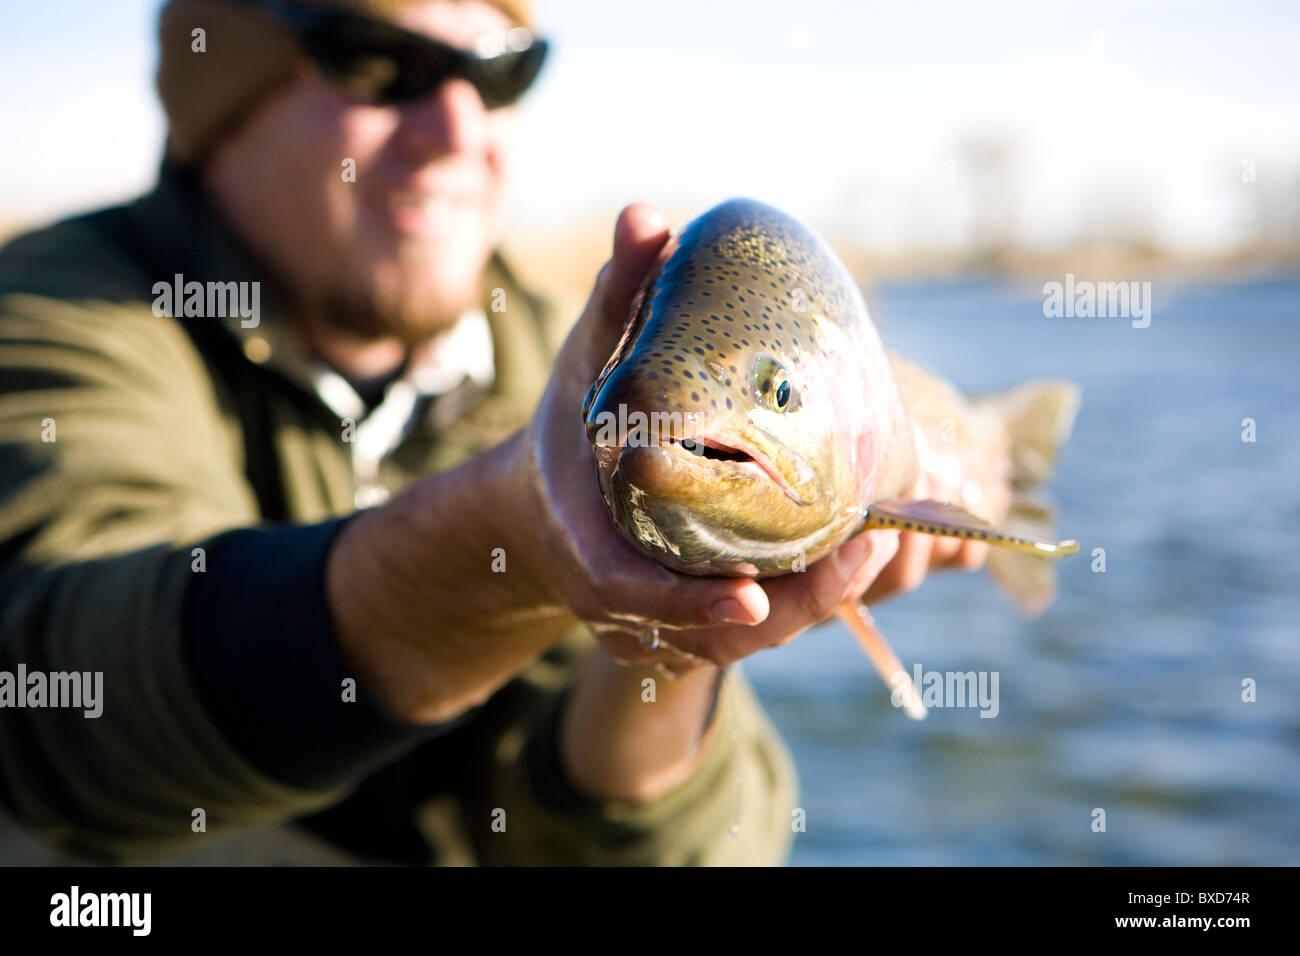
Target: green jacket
127	439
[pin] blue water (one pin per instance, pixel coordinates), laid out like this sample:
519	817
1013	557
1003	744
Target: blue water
1127	694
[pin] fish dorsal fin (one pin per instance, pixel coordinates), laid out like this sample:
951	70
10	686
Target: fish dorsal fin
942	518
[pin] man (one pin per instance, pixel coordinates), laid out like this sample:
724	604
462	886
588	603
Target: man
330	547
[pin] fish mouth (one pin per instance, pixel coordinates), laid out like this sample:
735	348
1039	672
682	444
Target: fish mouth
737	455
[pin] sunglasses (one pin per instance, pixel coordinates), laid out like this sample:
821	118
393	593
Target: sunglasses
380	63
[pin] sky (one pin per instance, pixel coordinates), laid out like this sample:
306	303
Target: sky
862	117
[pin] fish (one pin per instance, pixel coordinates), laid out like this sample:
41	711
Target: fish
750	421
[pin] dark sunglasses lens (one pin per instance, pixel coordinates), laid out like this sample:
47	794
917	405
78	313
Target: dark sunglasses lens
377	65
502	80
422	68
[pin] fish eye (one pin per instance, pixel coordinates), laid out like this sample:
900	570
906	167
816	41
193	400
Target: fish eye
772	385
783	394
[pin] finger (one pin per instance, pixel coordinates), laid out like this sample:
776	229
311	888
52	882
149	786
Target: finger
639	237
943	551
971	557
885	546
620	584
682	602
905	572
797	601
961	555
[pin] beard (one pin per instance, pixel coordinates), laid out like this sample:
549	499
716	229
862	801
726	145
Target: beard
412	300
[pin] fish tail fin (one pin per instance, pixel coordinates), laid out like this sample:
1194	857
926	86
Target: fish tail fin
1038	417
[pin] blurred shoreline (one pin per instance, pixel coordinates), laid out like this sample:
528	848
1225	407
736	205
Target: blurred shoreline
564	266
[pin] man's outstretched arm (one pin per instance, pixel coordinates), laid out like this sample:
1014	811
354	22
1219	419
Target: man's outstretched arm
98	567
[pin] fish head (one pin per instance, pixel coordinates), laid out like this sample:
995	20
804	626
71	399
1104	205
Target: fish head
730	428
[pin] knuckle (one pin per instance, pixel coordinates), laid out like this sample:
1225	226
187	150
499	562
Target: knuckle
786	638
945	551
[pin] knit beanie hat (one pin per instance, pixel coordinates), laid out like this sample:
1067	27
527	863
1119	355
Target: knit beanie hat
246	55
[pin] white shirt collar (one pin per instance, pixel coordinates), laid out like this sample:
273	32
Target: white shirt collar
464	351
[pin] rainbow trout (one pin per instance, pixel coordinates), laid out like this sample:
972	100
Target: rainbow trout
750	421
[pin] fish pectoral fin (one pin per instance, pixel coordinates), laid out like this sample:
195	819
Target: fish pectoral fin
949	520
863	627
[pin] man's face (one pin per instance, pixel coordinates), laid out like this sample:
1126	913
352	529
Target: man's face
399	251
